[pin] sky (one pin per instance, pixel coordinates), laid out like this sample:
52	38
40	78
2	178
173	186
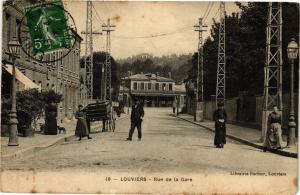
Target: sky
168	24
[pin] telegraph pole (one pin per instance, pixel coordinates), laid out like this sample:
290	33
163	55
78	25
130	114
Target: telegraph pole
273	65
198	114
220	88
103	81
108	28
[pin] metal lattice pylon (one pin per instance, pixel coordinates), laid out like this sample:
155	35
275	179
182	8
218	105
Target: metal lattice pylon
89	51
199	84
220	87
108	28
273	65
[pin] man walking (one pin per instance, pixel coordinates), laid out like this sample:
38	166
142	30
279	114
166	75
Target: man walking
137	113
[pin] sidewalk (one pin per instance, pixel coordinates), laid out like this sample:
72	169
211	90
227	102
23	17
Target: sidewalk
245	135
39	141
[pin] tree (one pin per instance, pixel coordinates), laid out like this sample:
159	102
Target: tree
98	60
246	50
176	64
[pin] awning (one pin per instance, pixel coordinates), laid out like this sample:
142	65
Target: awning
29	84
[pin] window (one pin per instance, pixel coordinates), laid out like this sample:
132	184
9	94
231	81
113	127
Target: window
18	23
142	86
164	86
8	26
149	86
135	86
170	87
156	86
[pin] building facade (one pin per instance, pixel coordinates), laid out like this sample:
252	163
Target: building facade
151	89
61	76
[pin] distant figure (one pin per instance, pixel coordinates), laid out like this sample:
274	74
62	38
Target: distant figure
174	105
81	126
137	114
273	138
220	118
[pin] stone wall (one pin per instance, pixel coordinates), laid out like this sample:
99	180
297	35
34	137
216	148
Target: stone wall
247	110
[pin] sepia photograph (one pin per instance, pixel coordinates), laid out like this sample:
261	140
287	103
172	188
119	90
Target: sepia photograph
149	97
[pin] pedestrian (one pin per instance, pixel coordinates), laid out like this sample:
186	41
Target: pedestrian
220	118
137	114
273	139
50	119
81	126
174	105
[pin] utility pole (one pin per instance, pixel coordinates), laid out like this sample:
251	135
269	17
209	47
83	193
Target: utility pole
103	81
273	65
220	87
88	62
198	114
108	28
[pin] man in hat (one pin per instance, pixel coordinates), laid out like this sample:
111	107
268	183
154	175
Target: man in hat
137	114
220	118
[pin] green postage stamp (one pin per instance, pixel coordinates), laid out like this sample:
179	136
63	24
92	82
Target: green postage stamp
47	27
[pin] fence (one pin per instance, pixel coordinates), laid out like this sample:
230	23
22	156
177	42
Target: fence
246	110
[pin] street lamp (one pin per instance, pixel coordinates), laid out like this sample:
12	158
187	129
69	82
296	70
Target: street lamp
292	52
14	49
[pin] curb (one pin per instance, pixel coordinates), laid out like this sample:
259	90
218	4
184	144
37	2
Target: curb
280	152
22	153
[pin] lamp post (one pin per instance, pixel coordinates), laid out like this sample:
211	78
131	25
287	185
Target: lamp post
292	52
14	48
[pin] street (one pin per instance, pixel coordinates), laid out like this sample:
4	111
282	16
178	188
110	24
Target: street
169	144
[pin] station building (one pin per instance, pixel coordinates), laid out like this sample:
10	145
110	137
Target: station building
151	89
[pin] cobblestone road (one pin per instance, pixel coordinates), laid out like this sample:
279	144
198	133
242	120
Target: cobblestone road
168	144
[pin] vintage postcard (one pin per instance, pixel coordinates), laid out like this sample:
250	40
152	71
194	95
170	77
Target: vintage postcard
149	97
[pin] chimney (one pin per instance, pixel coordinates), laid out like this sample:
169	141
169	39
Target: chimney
170	75
142	73
157	74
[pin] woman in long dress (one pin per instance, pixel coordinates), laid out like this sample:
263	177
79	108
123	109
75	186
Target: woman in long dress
50	119
81	126
220	118
273	138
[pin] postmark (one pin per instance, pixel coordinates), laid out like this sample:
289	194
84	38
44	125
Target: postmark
46	28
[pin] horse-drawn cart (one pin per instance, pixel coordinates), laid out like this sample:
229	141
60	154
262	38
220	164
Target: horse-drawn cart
100	111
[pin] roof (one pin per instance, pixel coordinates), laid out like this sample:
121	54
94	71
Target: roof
148	77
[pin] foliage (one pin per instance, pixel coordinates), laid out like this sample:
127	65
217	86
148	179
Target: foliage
50	96
30	105
5	109
245	50
177	65
31	102
98	61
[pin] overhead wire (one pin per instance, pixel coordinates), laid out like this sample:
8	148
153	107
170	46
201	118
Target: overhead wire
156	35
97	15
209	10
216	12
206	9
205	16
